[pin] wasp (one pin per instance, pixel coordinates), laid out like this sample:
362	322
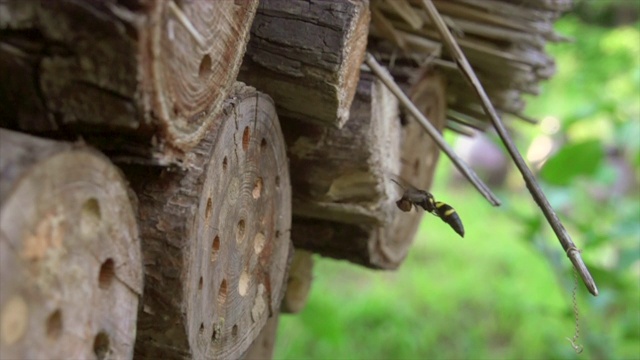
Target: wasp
425	199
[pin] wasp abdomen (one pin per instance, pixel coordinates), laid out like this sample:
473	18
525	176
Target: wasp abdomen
449	215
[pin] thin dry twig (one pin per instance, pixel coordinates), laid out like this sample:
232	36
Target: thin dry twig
184	20
431	130
536	192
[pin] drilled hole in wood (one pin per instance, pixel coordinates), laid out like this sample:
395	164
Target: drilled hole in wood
234	330
176	110
277	181
107	273
200	283
246	137
205	67
277	234
14	319
243	284
222	293
101	345
208	209
201	330
240	229
214	335
90	217
257	188
263	144
215	247
224	164
258	242
54	325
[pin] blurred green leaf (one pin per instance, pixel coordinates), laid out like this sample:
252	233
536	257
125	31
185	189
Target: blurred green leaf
573	160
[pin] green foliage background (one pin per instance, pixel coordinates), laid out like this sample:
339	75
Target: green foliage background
504	291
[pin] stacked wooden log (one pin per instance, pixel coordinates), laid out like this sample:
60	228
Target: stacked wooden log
70	266
134	77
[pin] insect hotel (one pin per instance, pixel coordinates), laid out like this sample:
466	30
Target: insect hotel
169	167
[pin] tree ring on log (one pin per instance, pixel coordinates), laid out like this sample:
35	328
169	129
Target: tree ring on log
216	258
152	75
196	50
70	264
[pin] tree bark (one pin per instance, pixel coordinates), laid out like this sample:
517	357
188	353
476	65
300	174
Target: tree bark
70	264
215	237
307	56
153	72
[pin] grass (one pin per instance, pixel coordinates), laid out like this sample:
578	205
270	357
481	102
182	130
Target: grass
487	296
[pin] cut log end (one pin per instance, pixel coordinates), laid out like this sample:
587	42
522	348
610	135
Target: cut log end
307	56
222	226
70	265
155	74
197	52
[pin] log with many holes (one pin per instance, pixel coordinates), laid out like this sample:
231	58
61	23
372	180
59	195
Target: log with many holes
70	264
307	56
215	236
344	202
155	73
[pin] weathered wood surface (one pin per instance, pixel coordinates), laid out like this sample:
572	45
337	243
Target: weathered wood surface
263	346
215	237
70	264
344	202
298	282
154	73
342	175
307	55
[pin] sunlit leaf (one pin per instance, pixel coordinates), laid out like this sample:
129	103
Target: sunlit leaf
573	160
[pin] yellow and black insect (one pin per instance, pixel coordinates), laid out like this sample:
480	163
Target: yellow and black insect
425	199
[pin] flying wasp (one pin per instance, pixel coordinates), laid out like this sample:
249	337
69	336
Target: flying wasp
425	199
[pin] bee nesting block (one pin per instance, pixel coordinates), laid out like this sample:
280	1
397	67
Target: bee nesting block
215	237
70	263
154	72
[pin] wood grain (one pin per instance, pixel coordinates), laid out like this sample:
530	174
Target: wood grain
307	56
153	72
70	263
215	237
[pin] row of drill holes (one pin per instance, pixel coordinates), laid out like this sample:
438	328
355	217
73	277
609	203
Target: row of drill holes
54	329
90	219
222	298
